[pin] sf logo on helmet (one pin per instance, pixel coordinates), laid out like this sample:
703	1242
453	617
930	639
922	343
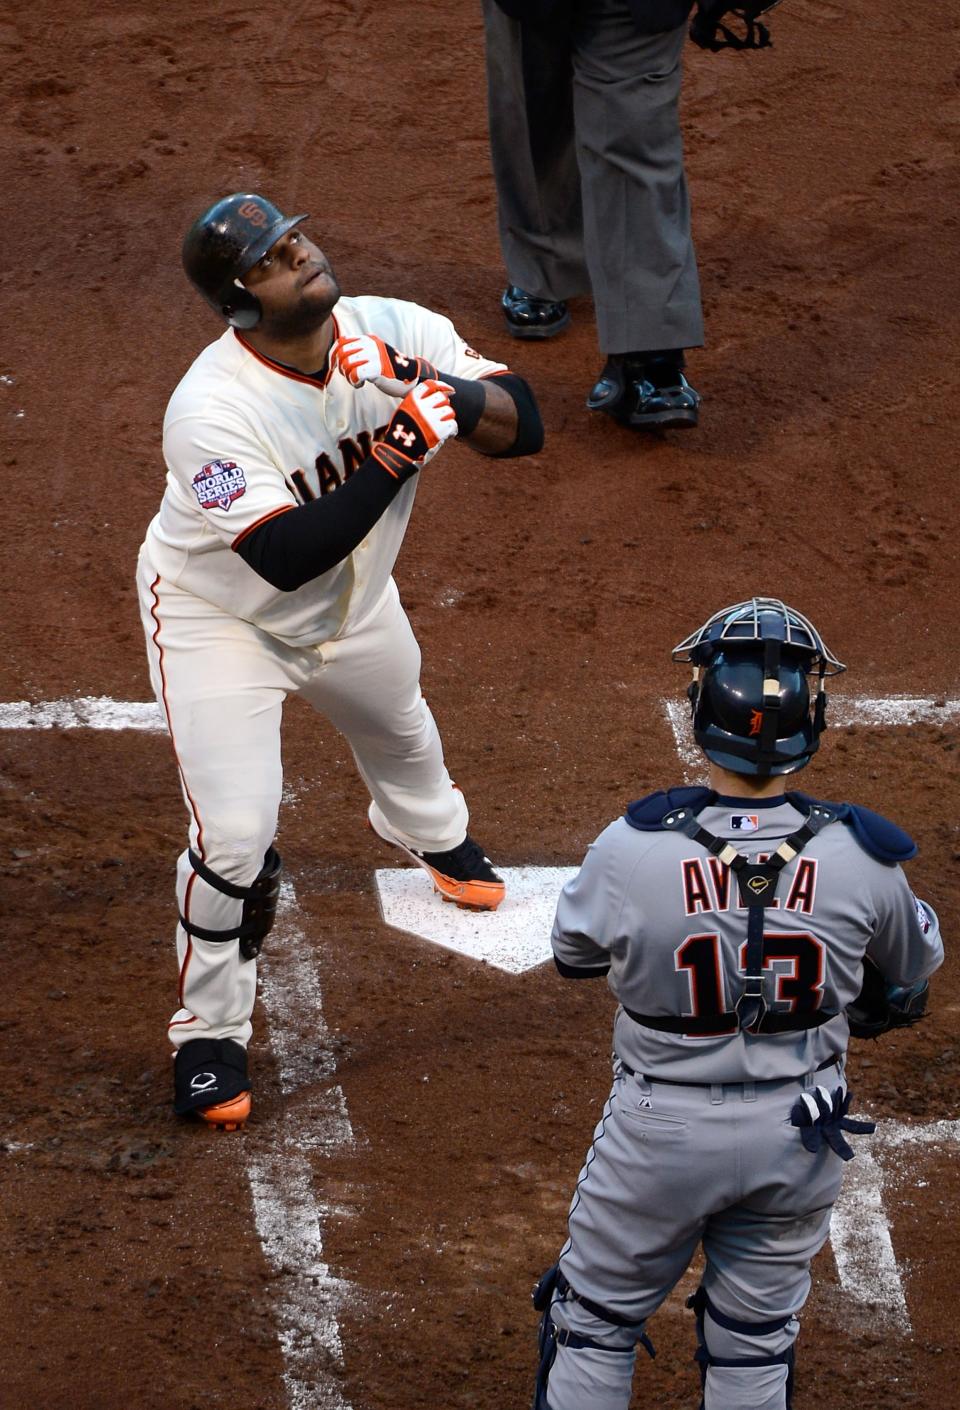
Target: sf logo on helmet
253	213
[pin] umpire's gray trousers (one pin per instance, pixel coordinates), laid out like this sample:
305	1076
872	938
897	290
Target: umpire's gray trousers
588	162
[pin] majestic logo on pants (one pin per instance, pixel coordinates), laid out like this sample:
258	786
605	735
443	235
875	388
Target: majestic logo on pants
219	483
203	1081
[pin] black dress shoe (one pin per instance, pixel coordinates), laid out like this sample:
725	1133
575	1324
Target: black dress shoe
646	390
528	317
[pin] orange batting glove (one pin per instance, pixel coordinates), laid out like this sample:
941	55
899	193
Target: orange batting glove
365	358
417	429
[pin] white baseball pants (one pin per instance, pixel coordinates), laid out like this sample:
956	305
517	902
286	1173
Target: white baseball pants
221	684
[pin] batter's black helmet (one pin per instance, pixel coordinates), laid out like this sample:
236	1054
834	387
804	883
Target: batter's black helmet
224	244
749	695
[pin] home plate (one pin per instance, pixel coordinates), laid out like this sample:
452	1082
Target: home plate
514	937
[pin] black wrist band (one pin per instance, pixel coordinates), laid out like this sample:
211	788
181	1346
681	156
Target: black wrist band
468	402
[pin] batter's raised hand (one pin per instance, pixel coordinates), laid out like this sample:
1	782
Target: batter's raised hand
418	427
364	358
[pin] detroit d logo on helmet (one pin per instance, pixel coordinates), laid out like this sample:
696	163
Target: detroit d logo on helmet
219	483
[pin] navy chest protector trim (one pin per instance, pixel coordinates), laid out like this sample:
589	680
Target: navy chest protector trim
757	885
877	835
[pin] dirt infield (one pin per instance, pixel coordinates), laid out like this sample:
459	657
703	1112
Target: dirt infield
140	1264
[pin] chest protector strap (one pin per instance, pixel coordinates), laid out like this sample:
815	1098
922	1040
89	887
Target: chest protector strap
757	886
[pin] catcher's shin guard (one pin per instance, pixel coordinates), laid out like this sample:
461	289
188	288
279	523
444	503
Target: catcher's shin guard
211	1081
577	1369
259	904
743	1363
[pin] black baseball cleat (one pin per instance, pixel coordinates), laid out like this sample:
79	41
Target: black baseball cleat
211	1082
646	390
530	317
463	875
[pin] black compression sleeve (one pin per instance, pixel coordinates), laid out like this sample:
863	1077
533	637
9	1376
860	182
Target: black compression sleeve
468	401
292	548
529	437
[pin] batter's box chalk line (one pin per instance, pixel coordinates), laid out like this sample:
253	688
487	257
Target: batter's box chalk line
85	712
289	1218
860	1231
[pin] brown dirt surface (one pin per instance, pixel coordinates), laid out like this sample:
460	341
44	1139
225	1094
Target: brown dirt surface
546	595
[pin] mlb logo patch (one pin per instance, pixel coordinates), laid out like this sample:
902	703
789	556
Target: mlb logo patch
744	822
219	483
922	917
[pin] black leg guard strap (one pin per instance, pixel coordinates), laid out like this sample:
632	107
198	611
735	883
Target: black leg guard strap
547	1345
565	1290
550	1337
554	1283
544	1290
259	904
701	1304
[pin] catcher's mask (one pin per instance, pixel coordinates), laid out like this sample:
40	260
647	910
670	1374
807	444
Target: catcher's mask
224	244
749	696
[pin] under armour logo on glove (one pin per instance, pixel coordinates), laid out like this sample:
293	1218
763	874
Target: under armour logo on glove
421	423
822	1116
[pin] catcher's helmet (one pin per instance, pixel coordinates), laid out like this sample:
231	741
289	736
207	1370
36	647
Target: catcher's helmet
224	244
749	695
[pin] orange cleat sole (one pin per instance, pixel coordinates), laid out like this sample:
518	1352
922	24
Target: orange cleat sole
469	895
227	1116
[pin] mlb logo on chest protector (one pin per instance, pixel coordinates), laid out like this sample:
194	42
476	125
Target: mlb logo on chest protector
744	822
219	483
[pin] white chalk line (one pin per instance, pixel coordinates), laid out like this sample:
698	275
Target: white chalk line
289	1219
678	718
85	712
860	1238
859	1231
935	1133
104	713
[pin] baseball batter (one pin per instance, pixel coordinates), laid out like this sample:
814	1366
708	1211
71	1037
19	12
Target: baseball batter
735	924
293	446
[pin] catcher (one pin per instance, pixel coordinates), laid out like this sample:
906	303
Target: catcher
735	924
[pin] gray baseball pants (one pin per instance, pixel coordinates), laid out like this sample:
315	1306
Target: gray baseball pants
588	161
671	1168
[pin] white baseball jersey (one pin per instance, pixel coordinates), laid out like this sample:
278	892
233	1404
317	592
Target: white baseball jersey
245	439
